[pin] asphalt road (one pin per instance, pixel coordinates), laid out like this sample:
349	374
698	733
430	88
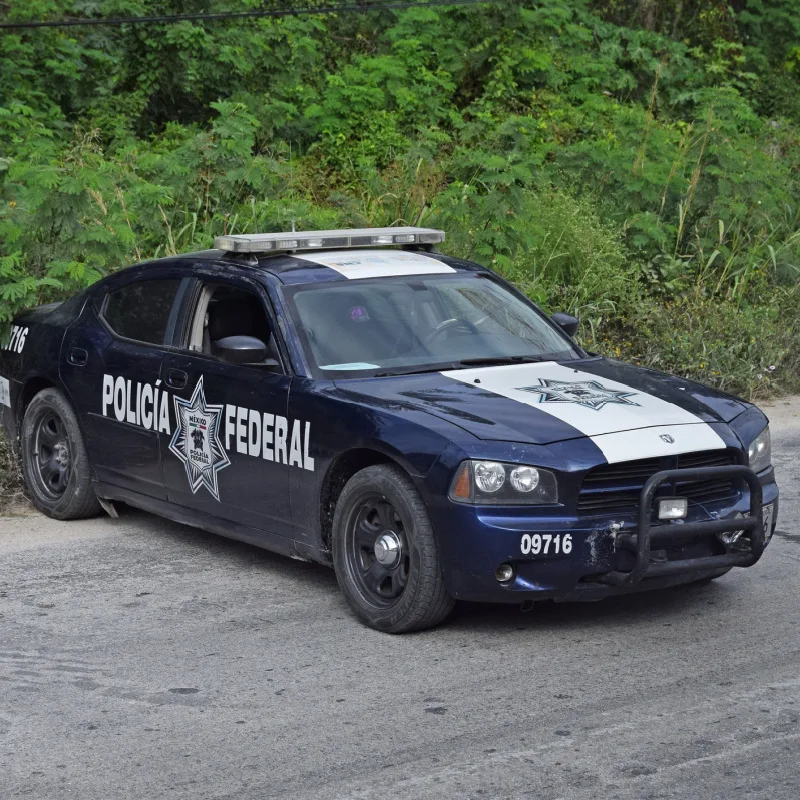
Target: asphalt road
144	659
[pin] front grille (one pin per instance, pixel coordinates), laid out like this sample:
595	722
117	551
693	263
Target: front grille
615	488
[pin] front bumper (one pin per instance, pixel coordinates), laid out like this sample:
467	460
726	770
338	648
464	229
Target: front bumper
608	555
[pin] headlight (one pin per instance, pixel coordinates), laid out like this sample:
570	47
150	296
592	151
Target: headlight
493	482
489	476
759	454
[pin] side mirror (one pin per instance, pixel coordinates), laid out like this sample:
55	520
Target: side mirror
566	322
241	350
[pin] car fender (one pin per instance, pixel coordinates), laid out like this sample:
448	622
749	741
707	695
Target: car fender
341	427
28	371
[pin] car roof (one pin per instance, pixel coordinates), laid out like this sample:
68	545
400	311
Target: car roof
330	265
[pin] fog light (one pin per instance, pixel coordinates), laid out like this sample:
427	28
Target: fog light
730	538
504	573
673	508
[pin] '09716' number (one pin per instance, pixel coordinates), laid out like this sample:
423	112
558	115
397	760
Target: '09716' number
546	544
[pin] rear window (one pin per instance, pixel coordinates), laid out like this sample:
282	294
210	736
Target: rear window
141	310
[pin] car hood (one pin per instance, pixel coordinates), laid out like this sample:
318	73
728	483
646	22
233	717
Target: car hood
548	402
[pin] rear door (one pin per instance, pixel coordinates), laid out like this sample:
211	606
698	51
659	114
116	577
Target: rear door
233	445
111	366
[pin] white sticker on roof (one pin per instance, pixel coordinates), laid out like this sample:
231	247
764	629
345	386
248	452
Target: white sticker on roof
376	263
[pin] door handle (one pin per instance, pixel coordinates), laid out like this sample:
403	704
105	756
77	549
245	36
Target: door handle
177	378
77	357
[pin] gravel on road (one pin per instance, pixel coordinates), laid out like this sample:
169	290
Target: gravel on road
145	659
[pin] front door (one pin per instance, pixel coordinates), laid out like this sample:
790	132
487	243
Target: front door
230	449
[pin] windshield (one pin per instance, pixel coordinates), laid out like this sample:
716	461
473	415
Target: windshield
407	324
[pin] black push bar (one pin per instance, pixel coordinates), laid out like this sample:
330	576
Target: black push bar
646	534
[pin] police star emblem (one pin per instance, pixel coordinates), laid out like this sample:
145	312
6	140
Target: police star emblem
589	394
196	440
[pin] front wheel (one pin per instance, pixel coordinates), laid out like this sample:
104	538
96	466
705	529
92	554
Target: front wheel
54	461
385	555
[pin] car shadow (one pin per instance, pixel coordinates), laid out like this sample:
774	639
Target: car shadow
234	551
661	606
656	606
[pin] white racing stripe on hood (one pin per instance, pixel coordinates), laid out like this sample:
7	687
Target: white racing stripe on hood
625	423
354	264
647	442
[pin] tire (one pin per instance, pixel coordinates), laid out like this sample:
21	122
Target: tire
407	594
54	462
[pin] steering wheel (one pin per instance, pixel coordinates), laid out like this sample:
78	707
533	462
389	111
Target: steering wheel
449	325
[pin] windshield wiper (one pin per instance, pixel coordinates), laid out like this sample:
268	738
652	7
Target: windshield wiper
414	370
491	360
464	363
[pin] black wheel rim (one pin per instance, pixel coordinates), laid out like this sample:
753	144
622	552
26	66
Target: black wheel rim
51	457
378	551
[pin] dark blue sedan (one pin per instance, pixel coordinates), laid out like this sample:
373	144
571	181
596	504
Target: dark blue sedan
358	399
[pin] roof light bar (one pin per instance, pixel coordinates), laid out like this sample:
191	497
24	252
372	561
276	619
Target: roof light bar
318	240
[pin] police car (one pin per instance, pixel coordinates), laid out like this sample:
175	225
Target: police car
356	398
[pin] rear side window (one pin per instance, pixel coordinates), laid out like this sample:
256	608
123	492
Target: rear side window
141	310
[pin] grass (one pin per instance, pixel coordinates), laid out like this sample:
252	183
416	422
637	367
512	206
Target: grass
11	491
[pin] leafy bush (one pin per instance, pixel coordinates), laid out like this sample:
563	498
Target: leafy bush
630	161
742	349
10	477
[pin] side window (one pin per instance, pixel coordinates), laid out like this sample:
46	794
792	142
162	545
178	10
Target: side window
223	311
141	310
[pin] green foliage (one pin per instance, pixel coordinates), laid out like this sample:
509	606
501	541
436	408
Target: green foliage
632	161
711	342
11	493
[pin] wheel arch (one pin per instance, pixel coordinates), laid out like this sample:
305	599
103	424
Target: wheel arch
341	469
30	388
34	384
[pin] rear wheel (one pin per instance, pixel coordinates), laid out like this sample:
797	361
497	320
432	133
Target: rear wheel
54	461
385	555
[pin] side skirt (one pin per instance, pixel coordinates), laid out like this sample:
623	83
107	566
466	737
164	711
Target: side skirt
196	519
